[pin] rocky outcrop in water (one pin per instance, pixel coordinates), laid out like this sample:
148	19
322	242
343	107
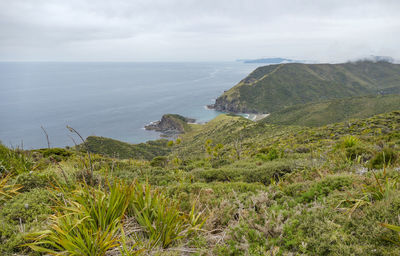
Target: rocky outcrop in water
171	124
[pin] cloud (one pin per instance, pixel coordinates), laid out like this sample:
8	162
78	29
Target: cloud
150	30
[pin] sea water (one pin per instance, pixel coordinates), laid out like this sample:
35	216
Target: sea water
114	100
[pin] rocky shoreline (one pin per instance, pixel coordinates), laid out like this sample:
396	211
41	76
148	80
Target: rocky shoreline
171	124
231	106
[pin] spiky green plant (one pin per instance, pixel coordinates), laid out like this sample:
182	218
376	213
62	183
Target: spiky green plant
74	234
88	225
161	220
14	161
105	208
160	217
348	141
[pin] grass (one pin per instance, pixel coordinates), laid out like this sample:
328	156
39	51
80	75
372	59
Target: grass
14	161
293	191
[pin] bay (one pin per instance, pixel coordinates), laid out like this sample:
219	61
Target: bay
105	99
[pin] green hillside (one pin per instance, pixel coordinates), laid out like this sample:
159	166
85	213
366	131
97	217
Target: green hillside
228	187
272	88
333	111
123	150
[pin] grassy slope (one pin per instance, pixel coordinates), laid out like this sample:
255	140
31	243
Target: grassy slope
222	128
274	87
333	111
123	150
256	135
293	191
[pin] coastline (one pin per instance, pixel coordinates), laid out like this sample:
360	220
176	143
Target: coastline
255	117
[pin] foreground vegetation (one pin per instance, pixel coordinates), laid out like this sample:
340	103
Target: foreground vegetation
229	187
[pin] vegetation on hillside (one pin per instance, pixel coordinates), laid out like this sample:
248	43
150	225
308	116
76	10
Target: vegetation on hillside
171	123
334	111
230	187
275	87
123	150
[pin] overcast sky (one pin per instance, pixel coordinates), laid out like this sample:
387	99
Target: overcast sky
202	30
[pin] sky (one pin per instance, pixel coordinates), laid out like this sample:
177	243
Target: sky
197	30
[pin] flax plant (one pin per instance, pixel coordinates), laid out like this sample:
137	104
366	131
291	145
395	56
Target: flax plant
88	225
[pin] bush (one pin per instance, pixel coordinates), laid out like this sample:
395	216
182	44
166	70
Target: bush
321	230
384	158
27	207
159	161
250	173
273	170
57	154
358	150
33	180
325	186
268	154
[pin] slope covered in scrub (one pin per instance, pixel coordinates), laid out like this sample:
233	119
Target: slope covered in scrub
274	87
230	187
334	111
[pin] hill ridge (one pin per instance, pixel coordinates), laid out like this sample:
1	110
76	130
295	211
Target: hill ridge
274	87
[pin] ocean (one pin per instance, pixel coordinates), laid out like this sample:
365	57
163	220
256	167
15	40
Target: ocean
108	99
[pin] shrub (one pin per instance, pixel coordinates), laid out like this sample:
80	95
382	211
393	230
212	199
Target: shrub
268	172
384	158
268	154
56	154
20	214
27	207
249	173
32	180
159	161
325	186
322	230
223	174
358	150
